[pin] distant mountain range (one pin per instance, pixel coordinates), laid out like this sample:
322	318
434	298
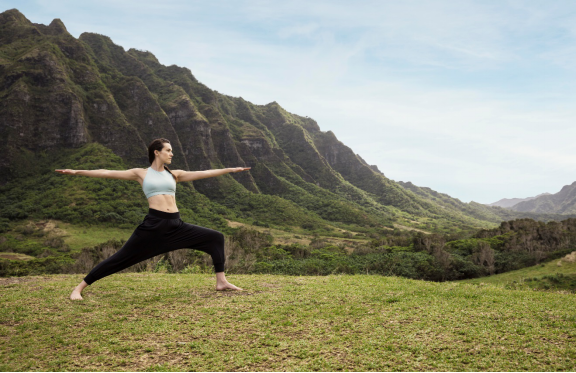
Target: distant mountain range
509	202
563	202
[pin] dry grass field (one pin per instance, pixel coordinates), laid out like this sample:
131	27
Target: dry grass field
163	322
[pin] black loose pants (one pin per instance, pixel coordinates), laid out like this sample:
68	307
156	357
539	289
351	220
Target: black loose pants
159	233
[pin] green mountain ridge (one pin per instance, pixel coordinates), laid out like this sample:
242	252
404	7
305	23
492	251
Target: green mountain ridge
563	202
509	202
481	211
62	95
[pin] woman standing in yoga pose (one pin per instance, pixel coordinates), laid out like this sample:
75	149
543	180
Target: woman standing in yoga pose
162	229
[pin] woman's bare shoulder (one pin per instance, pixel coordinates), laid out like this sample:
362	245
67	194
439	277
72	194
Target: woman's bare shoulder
178	172
139	172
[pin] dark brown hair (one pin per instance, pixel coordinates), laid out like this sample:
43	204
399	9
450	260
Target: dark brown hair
158	144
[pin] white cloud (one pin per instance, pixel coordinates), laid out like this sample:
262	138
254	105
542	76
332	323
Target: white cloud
306	30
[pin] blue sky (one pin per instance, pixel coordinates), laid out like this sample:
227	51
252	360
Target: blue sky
475	99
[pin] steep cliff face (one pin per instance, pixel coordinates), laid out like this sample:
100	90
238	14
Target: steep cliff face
59	92
354	169
52	95
34	88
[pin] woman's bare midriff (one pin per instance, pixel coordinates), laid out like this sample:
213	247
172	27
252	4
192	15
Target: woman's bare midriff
160	202
163	202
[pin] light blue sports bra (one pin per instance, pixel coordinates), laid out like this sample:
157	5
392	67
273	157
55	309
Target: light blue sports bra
158	183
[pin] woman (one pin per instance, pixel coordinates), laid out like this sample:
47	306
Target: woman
162	229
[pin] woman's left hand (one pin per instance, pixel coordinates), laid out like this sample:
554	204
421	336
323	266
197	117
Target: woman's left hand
238	169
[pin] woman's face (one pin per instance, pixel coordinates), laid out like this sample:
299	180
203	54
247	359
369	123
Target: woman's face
165	156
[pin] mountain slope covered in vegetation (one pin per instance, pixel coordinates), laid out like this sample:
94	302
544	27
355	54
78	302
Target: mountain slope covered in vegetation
563	202
87	103
509	202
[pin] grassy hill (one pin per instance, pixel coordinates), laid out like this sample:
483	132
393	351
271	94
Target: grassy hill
167	322
557	274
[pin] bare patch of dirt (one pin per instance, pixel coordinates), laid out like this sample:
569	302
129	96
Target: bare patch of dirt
235	224
50	226
15	256
570	258
13	280
289	241
269	285
4	281
400	226
280	236
227	294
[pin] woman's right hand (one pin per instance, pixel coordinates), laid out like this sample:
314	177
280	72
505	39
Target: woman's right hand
66	172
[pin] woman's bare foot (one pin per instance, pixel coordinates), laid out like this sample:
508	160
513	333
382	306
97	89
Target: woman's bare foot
77	292
76	295
227	286
223	284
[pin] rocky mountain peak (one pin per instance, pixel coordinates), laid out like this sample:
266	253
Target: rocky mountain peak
15	25
13	16
58	26
376	169
145	56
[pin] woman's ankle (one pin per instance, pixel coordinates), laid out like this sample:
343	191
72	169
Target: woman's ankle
220	277
81	286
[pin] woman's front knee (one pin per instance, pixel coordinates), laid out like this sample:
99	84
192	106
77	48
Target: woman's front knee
218	237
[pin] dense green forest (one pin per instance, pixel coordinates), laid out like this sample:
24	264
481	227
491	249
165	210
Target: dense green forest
513	245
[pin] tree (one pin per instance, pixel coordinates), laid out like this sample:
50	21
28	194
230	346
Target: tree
484	256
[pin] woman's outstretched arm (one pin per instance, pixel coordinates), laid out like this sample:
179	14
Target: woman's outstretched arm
108	174
195	175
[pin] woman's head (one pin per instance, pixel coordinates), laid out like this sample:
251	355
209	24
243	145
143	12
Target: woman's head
161	149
